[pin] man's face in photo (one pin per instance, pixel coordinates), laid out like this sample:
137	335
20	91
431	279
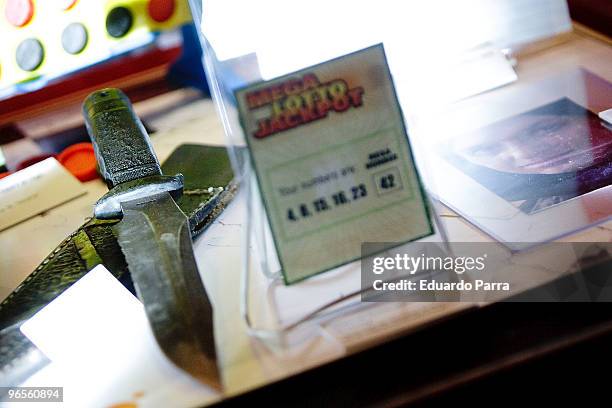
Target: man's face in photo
540	143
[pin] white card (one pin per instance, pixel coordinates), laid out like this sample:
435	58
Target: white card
35	189
103	352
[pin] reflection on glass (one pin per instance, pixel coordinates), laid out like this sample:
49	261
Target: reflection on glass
539	158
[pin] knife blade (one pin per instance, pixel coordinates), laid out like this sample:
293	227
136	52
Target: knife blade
153	234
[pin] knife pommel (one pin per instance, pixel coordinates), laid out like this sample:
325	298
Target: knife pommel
121	143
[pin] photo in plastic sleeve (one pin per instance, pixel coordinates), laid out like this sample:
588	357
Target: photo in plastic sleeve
540	158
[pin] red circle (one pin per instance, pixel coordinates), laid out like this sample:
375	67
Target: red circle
161	10
19	12
80	160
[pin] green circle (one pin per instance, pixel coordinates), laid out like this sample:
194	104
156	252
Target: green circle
119	21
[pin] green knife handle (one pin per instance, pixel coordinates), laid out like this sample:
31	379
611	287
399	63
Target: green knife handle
121	143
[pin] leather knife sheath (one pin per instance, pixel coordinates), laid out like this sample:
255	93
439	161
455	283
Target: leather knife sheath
208	189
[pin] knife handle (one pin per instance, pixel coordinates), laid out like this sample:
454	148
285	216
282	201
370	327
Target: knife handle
121	143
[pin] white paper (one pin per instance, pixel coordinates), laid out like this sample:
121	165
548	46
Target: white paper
35	189
102	350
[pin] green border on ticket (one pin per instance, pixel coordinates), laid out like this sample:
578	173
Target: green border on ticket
403	132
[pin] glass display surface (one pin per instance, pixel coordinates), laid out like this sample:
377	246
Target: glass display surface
534	166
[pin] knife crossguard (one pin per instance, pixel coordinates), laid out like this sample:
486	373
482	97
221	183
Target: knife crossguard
124	154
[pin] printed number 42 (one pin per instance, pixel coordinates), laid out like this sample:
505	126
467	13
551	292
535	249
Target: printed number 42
387	181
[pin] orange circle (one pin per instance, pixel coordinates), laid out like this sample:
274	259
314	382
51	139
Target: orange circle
80	160
161	10
19	12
